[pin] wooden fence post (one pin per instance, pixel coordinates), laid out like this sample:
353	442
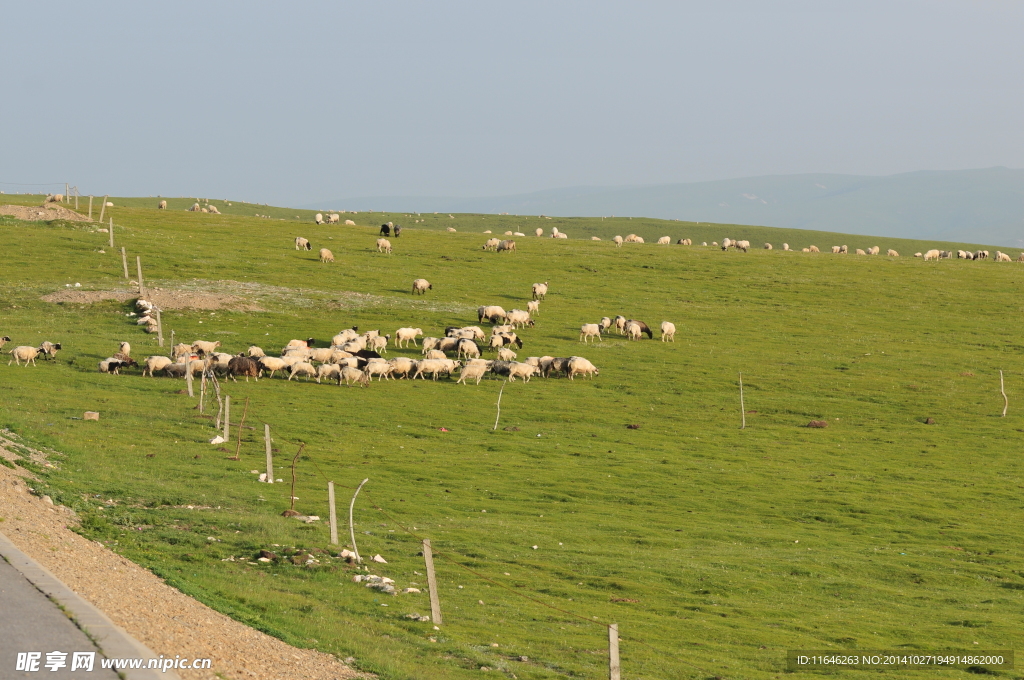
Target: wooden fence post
188	374
90	207
103	208
613	652
67	193
138	265
111	230
124	262
270	454
227	417
159	328
333	513
435	602
76	198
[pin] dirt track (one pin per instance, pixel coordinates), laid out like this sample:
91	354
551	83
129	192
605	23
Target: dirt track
35	213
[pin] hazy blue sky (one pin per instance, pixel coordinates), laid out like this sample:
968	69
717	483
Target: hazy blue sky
291	103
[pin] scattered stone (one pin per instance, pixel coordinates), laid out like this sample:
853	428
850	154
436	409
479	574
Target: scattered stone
481	602
267	554
632	426
47	499
263	559
378	558
218	439
290	513
524	659
929	421
534	547
91	415
818	423
411	590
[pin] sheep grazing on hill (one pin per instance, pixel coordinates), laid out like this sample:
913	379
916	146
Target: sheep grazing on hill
520	370
473	370
451	230
4	340
153	364
620	324
605	323
540	290
242	365
302	368
538	231
333	219
506	246
327	371
196	208
664	241
379	344
421	286
318	218
892	253
505	354
326	255
302	244
931	255
533	307
162	205
580	366
1003	257
55	198
519	318
767	246
113	365
590	330
741	245
1020	258
345	336
668	331
813	249
684	242
981	255
353	375
401	367
407	334
255	352
49	349
213	209
644	328
300	344
727	243
385	229
633	238
383	246
860	251
272	364
617	240
204	347
874	250
835	250
435	367
917	254
350	223
491	244
633	331
380	368
467	348
492	313
785	246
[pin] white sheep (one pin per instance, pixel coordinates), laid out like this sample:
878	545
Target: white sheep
931	255
421	286
590	330
474	370
505	354
203	347
491	244
318	218
326	255
434	354
302	244
617	240
620	324
162	205
349	223
836	250
506	246
519	318
633	331
540	290
605	323
152	364
255	352
668	331
468	349
112	365
435	367
785	246
491	313
379	344
892	253
351	375
333	219
383	246
538	231
533	307
742	245
813	249
1003	257
302	368
665	241
401	367
272	364
520	370
595	238
327	371
874	250
407	334
344	336
767	246
580	366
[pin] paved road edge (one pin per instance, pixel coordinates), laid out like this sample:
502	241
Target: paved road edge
113	641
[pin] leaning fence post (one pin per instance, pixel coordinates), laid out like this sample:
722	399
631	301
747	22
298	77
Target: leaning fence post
124	262
333	513
90	207
270	454
138	265
111	231
613	652
159	328
103	208
227	417
435	602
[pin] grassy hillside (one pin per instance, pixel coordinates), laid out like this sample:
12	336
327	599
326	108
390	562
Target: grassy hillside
715	549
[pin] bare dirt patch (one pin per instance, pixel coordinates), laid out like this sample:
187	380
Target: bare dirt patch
161	297
42	213
161	617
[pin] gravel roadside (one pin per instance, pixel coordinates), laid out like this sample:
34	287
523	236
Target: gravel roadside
161	617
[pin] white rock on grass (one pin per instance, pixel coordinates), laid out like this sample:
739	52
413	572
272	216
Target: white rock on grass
378	558
218	440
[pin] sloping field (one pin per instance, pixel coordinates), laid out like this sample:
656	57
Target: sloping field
715	549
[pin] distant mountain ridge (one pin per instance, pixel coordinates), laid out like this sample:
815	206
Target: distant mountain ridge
976	206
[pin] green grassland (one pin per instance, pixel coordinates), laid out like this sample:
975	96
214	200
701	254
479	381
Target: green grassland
715	549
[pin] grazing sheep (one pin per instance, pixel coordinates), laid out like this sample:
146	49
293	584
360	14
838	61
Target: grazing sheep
520	370
54	198
379	344
175	370
181	350
385	229
540	290
813	249
434	354
664	241
353	375
1020	258
1003	257
467	348
302	368
861	251
617	240
153	364
633	331
243	365
421	286
213	209
4	340
381	369
24	353
504	339
845	250
767	246
474	370
204	347
218	362
255	352
326	255
49	349
505	354
581	366
401	367
491	244
931	255
318	218
302	244
836	250
112	365
538	231
162	205
519	318
741	245
605	323
533	307
892	253
590	330
506	246
874	250
684	242
785	246
407	334
344	336
946	254
727	243
125	349
272	364
451	230
633	238
350	223
500	330
383	246
555	365
333	218
328	371
917	254
981	255
435	367
491	313
322	355
429	343
644	328
806	250
620	324
398	230
668	331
